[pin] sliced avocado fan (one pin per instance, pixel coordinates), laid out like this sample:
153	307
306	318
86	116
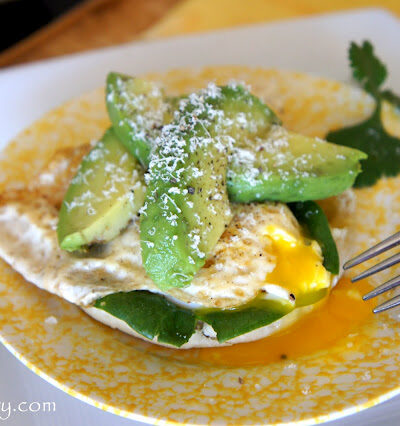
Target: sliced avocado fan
103	197
266	162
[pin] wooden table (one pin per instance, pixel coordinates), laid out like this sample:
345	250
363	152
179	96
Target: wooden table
99	23
95	23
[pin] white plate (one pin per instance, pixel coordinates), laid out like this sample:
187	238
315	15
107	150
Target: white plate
316	45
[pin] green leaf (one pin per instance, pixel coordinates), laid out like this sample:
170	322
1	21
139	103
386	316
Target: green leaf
371	137
313	218
151	315
312	297
232	323
392	98
367	68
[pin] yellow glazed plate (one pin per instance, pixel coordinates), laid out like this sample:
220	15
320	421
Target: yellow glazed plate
135	379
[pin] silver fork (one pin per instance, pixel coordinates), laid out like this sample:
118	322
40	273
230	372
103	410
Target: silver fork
383	246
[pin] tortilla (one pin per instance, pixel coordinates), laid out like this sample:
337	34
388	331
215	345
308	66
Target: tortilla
306	104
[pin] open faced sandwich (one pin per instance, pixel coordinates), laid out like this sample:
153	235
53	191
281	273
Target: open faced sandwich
192	220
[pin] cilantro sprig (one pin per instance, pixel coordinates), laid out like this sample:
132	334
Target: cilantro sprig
367	68
370	136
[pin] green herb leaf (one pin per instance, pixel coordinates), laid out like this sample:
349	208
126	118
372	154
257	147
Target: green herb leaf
151	315
392	98
370	136
312	217
367	68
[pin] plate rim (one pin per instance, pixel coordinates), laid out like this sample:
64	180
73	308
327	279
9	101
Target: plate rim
106	407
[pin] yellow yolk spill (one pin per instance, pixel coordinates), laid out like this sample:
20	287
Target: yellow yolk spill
299	266
340	314
298	269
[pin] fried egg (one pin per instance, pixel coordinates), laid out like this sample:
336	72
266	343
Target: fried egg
263	250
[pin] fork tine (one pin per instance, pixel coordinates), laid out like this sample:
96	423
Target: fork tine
386	244
378	267
387	305
388	285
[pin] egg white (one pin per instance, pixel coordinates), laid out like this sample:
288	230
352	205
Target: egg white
27	227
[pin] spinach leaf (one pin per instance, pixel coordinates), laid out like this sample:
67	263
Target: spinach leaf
151	315
312	217
370	136
232	323
392	98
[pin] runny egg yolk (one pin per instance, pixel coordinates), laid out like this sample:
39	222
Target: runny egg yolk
299	267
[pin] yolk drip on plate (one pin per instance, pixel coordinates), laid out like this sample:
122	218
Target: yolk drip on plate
335	318
300	271
299	267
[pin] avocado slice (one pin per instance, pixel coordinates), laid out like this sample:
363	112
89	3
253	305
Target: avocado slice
285	166
187	207
244	116
267	162
103	197
137	110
